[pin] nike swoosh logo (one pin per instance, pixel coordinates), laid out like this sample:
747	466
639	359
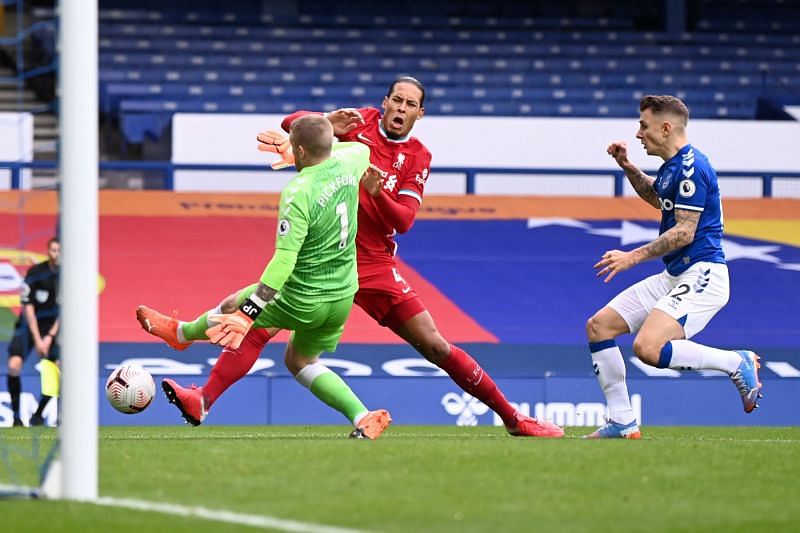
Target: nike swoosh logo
364	139
406	290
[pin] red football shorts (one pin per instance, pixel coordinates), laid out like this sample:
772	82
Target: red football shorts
385	295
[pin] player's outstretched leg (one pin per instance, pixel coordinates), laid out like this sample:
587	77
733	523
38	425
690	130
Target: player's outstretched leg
327	386
234	364
469	375
614	430
746	380
372	425
190	402
531	427
162	326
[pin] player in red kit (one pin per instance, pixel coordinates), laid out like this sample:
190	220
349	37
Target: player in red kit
404	163
388	204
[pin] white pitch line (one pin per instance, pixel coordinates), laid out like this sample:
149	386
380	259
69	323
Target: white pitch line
223	516
19	491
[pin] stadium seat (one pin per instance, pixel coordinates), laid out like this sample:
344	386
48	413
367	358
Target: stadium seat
557	64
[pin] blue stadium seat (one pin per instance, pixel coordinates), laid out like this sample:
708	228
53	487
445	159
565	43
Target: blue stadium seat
482	63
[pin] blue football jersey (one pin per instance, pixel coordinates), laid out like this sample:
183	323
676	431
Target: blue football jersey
687	181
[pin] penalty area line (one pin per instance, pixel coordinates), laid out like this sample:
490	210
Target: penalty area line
261	521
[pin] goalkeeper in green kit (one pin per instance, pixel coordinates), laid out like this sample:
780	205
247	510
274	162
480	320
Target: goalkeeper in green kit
307	287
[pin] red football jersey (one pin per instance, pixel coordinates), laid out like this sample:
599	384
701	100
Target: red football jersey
406	164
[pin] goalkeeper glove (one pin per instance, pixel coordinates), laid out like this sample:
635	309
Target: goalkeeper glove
277	143
233	327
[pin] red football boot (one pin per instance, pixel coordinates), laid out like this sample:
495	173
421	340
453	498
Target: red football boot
531	427
190	401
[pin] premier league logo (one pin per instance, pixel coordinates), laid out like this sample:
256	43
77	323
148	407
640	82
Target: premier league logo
687	188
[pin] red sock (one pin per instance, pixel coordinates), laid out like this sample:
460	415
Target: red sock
469	375
233	365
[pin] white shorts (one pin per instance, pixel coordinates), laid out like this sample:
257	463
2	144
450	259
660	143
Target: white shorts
692	298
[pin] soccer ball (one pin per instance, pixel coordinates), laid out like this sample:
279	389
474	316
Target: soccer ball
130	389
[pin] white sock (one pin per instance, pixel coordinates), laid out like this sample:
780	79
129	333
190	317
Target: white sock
359	417
179	332
311	372
213	311
610	369
689	355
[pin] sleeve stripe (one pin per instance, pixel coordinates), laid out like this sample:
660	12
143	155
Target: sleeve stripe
689	207
409	192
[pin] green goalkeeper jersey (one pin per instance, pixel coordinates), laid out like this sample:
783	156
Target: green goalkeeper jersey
318	219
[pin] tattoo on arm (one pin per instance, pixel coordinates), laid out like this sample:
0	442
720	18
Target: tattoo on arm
676	237
265	292
643	185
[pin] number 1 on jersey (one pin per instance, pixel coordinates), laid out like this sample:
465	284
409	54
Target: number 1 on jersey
341	210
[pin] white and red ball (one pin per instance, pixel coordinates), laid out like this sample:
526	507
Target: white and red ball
130	389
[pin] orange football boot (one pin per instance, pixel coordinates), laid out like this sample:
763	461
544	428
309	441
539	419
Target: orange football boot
372	425
162	326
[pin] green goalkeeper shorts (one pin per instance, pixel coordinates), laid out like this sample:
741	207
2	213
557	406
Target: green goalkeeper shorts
316	326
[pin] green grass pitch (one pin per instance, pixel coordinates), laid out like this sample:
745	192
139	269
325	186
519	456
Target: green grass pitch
434	479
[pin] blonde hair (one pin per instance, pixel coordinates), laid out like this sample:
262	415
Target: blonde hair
314	133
